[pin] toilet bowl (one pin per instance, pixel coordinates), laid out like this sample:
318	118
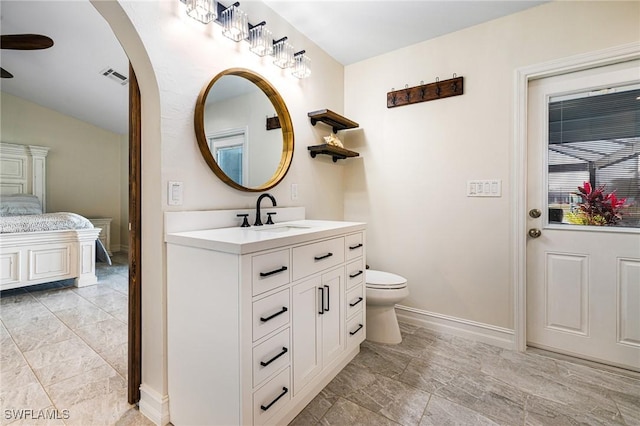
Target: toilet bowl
384	290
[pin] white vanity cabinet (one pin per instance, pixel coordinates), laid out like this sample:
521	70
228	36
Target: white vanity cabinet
259	320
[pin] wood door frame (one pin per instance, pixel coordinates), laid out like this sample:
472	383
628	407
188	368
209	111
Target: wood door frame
518	238
135	240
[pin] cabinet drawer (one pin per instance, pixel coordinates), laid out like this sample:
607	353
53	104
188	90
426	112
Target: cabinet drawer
356	330
271	397
269	271
316	257
354	245
271	356
355	273
355	300
270	313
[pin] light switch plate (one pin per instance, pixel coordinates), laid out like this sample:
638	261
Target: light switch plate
174	193
484	188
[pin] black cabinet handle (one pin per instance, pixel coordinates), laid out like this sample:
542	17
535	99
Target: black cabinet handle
323	257
328	298
356	302
284	309
284	392
275	271
357	246
284	351
321	309
356	274
356	330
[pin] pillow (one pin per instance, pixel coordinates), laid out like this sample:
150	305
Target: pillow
19	204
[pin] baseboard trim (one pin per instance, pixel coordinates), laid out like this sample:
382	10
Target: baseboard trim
154	406
117	248
476	331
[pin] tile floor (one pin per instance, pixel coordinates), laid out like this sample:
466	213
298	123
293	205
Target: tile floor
65	348
439	379
63	352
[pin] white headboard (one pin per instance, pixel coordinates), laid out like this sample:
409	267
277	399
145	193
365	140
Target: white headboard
23	170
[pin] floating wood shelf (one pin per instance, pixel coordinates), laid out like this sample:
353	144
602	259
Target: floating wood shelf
335	120
334	151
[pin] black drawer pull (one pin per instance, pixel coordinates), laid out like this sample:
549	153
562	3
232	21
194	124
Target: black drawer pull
284	392
356	274
321	309
284	351
357	246
284	309
323	257
356	330
356	302
275	271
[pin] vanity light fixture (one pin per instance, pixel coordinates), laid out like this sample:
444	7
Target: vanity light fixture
282	53
235	23
261	40
301	65
204	11
236	26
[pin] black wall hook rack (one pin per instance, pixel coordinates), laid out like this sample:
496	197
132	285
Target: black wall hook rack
426	92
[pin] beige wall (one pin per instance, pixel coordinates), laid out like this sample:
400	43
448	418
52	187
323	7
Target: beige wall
186	55
124	192
410	184
84	165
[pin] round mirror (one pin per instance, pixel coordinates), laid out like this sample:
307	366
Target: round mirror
244	130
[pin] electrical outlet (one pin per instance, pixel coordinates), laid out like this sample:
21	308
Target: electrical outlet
294	191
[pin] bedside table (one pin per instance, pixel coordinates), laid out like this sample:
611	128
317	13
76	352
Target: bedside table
104	223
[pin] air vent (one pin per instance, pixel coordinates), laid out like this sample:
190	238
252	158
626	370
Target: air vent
115	76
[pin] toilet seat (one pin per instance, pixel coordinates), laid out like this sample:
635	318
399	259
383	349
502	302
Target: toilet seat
384	280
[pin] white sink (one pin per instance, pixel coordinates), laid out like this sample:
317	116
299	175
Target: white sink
280	228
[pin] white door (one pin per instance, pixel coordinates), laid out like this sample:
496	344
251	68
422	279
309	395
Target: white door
583	281
307	331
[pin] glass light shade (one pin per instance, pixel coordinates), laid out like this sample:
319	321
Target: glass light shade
204	11
261	40
283	54
301	66
235	24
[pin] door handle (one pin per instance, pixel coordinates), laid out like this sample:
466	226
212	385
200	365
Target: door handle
534	232
535	213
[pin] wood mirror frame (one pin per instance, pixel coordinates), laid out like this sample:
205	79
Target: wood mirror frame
285	123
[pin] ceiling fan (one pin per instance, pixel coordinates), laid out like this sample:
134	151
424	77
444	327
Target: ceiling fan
23	42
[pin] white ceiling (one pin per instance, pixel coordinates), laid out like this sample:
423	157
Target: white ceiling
354	30
67	76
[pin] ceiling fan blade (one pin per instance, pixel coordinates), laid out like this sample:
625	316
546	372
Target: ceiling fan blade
25	42
5	74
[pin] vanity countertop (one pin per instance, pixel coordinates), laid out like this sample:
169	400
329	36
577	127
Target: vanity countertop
239	240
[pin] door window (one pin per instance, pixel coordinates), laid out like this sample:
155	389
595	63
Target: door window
594	158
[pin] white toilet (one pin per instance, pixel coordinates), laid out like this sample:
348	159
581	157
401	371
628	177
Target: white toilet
384	290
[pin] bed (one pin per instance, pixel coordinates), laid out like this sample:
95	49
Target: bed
32	249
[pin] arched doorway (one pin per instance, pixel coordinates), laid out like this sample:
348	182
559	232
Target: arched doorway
144	119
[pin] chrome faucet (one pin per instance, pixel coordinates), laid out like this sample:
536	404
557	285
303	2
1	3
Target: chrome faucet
273	200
